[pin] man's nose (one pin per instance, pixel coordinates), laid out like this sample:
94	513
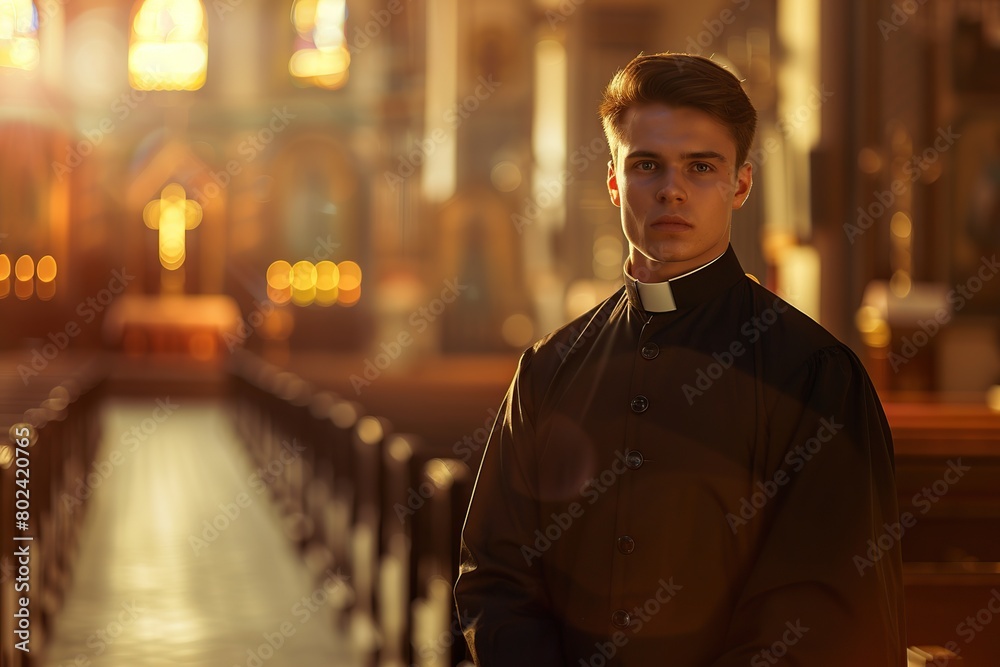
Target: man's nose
672	187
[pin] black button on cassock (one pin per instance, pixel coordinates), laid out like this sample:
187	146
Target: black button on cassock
621	618
640	403
634	460
626	544
650	351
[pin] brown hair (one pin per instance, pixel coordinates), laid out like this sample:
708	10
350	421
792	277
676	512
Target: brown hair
680	80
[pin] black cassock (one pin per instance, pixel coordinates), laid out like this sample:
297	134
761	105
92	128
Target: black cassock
711	485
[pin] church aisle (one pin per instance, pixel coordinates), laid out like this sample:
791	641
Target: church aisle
182	560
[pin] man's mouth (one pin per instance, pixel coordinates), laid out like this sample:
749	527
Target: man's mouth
672	223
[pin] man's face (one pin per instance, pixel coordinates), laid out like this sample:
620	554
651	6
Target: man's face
677	184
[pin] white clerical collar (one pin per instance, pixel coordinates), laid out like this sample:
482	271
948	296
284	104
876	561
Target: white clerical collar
659	297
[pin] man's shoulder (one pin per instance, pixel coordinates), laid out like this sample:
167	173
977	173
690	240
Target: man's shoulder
796	339
553	348
781	325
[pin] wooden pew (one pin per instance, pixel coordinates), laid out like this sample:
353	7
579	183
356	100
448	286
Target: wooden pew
58	410
437	637
384	509
948	481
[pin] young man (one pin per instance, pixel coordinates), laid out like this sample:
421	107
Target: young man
693	472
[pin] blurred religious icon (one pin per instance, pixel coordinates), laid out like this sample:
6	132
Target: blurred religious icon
173	215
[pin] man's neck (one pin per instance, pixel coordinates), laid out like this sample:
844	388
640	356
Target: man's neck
650	277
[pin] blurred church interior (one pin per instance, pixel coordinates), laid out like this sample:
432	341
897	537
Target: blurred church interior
267	266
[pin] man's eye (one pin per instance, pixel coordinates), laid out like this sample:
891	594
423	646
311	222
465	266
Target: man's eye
645	165
702	167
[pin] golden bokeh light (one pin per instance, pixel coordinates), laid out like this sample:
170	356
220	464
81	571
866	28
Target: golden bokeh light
439	472
323	284
518	330
24	269
279	275
901	225
303	297
506	176
6	456
369	430
4	267
900	283
326	297
304	276
313	62
349	298
873	328
173	214
18	35
350	275
47	269
327	276
322	59
993	398
399	448
169	46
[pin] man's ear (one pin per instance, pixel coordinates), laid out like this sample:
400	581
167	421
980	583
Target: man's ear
744	181
616	198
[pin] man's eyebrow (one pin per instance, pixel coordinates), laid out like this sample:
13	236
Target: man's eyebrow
696	155
704	155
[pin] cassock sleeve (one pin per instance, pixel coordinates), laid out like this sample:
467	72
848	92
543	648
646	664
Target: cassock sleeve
825	588
500	594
